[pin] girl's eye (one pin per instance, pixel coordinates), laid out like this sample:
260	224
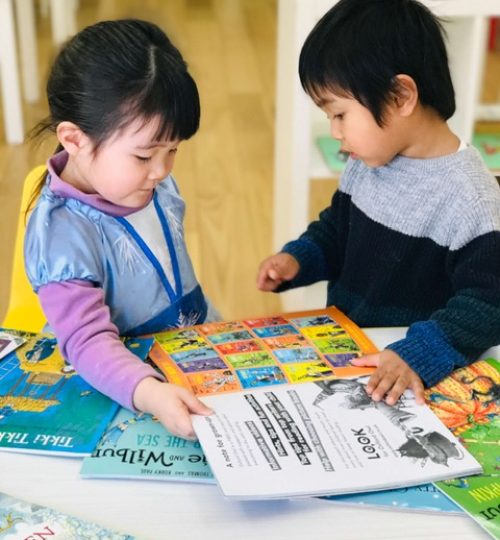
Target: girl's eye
338	116
173	151
143	158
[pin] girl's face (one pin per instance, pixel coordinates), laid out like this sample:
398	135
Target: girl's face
354	126
126	168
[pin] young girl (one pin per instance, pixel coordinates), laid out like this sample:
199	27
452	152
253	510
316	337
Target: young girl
104	246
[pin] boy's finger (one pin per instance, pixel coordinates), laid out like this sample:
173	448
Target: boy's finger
418	390
373	381
397	391
368	360
273	274
383	387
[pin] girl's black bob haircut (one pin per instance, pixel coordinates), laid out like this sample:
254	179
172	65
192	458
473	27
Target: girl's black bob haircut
114	72
359	47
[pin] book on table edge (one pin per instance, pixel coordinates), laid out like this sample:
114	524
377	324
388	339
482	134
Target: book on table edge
46	407
27	520
136	445
468	401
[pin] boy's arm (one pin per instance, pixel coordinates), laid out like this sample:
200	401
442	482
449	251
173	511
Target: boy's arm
81	321
319	250
468	324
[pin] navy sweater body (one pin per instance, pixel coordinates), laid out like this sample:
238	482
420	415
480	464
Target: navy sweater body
413	243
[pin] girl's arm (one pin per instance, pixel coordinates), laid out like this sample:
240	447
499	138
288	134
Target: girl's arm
81	321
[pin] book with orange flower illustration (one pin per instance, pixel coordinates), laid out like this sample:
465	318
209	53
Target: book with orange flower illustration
468	403
231	356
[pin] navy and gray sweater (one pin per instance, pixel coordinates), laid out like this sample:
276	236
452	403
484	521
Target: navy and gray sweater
413	243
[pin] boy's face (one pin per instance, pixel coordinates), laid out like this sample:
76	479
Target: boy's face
354	126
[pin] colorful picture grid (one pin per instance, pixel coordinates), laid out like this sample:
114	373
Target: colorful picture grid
230	356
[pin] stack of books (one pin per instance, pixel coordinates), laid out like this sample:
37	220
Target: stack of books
288	405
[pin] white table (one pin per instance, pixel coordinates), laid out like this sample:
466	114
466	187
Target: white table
163	510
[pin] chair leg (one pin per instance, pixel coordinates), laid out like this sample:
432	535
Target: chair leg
11	94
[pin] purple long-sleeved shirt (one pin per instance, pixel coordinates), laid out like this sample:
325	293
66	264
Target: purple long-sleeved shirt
81	320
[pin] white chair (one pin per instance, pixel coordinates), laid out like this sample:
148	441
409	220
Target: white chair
63	23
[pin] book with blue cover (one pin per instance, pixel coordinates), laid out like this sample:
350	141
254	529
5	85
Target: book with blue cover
26	520
136	445
424	498
46	407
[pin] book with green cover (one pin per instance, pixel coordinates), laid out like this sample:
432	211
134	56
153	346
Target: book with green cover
469	402
488	145
136	445
45	407
26	520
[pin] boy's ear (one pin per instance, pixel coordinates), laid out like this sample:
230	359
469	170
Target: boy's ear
72	138
405	95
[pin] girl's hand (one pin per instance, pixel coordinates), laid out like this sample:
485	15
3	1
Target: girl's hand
391	378
171	404
276	269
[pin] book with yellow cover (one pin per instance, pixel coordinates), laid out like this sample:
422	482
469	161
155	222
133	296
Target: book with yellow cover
290	348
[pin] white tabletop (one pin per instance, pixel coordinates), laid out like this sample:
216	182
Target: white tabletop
158	510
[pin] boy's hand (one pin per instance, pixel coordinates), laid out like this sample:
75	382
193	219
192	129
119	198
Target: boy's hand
276	269
391	378
171	404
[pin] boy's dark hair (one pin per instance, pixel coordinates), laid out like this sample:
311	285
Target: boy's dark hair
113	72
359	46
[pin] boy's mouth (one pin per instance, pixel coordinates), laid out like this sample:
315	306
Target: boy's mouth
348	153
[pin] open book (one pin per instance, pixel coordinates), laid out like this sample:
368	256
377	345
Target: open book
231	356
324	438
45	407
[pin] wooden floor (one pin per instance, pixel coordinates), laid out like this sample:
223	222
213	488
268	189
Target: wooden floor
226	171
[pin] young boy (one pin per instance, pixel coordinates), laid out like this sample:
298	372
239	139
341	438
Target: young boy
412	236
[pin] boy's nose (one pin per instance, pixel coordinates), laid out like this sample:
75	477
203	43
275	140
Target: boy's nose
335	132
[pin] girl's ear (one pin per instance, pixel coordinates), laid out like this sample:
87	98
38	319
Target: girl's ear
405	95
72	138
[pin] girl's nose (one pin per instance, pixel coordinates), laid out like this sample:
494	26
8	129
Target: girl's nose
159	172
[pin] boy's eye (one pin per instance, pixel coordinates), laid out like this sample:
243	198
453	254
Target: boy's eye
338	116
173	151
143	158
